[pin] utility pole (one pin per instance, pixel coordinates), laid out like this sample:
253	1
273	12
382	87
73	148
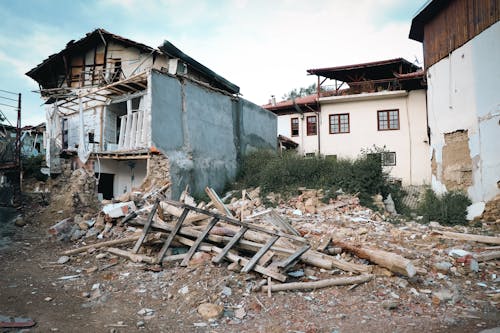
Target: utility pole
18	142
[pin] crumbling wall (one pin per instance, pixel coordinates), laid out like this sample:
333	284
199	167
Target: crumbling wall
457	163
158	173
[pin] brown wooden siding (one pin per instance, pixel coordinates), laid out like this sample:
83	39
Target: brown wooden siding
455	25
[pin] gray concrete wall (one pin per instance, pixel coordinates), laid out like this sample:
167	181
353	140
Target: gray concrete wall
205	133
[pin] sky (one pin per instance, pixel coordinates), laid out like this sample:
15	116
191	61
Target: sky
264	47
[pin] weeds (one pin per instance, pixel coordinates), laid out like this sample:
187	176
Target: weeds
449	208
363	176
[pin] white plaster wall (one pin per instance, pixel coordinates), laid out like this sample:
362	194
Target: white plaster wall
307	143
125	179
412	153
463	93
133	61
91	123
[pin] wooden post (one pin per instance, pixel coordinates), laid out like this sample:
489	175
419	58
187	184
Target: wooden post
391	261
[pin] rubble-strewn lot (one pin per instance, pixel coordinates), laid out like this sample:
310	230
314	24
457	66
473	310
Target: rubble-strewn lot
454	286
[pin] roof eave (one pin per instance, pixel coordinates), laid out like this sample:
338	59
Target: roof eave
172	51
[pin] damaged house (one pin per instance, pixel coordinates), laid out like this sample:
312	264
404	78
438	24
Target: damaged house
461	55
128	111
381	104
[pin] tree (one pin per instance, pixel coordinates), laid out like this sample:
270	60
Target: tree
301	92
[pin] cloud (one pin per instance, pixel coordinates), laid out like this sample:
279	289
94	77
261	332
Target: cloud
265	47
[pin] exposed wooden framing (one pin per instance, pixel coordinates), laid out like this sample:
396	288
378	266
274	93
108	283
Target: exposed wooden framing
294	257
198	241
259	254
237	222
146	227
229	245
170	238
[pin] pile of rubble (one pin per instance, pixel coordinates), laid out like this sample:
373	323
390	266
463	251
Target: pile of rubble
339	236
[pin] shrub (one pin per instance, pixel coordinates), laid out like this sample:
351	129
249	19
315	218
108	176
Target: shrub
363	176
449	208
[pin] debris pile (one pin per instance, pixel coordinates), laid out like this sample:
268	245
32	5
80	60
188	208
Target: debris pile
303	233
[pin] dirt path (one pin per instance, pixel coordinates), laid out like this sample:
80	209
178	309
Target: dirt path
108	293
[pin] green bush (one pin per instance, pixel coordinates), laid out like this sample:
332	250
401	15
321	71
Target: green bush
449	208
284	174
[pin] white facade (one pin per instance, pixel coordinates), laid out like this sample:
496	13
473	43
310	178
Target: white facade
464	97
409	142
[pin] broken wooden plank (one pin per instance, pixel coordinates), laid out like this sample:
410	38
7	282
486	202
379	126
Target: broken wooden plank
266	258
393	262
145	230
258	268
467	237
259	254
171	236
102	244
177	212
291	260
486	256
221	207
341	281
280	223
131	256
230	244
198	241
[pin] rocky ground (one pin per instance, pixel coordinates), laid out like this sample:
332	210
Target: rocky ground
96	291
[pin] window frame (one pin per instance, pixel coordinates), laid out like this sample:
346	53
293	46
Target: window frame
338	115
387	120
309	131
291	126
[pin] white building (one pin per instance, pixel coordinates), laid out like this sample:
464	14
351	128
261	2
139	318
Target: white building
379	104
462	61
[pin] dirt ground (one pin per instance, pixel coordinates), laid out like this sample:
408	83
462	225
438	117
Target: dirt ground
107	294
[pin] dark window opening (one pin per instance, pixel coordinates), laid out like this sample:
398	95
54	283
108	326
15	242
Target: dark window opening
105	185
295	126
65	133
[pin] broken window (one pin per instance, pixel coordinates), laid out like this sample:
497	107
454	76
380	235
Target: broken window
115	67
388	120
339	123
65	133
311	125
295	126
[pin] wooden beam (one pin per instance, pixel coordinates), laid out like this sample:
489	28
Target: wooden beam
102	244
393	262
171	236
341	281
467	237
198	241
294	257
259	254
229	245
146	227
